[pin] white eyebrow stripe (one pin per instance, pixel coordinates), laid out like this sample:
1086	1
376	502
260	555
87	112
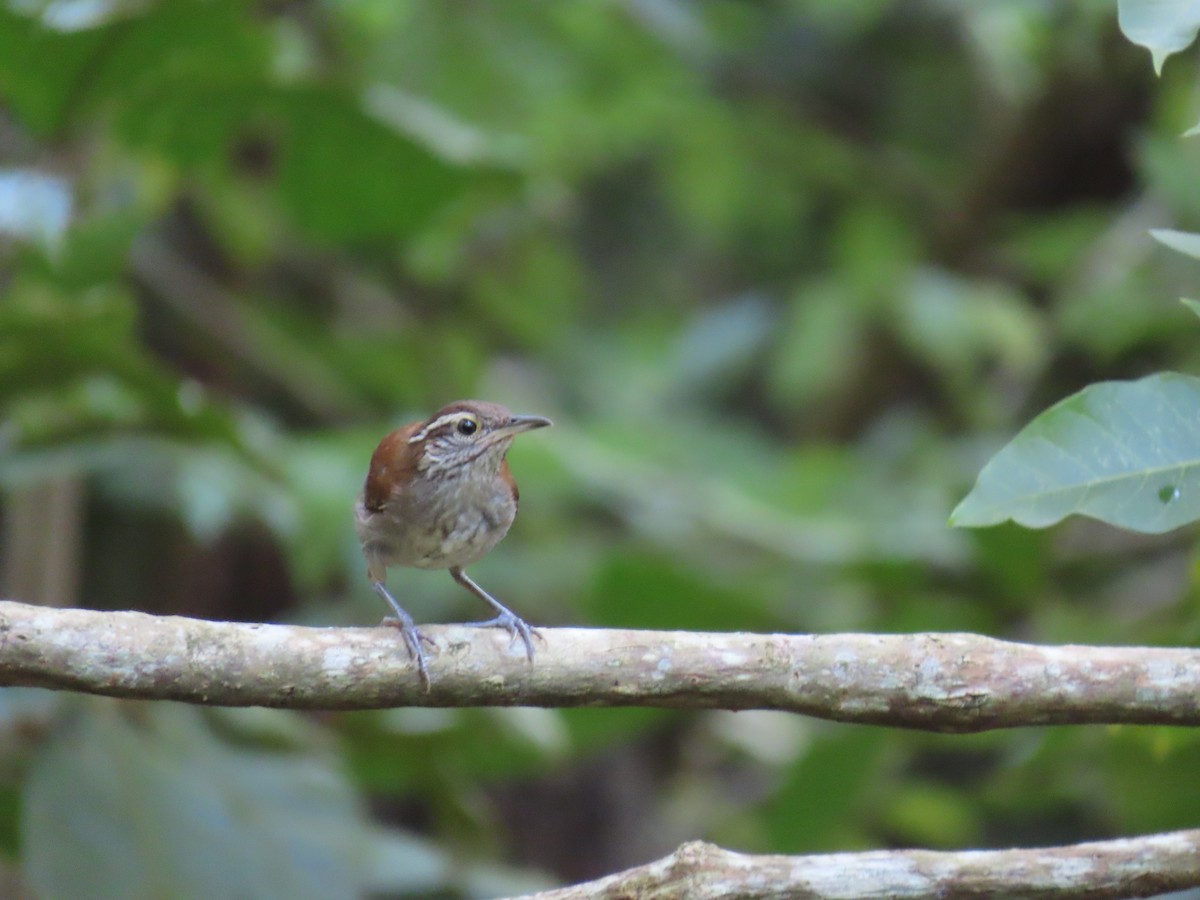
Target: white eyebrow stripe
447	419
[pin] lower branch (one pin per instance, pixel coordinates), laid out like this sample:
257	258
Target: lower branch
1136	867
942	682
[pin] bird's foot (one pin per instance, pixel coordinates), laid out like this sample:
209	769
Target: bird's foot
412	640
514	625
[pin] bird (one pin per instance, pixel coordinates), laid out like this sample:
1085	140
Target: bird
439	495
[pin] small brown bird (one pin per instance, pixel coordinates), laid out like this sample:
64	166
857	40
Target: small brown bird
439	495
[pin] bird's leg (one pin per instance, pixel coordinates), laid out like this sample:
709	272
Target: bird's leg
505	617
408	628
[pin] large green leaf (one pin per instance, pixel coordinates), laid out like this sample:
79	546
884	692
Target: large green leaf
70	367
817	807
346	176
1127	453
146	801
1149	777
41	69
1161	26
1183	241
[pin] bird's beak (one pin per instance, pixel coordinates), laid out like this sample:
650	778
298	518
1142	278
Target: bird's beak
517	424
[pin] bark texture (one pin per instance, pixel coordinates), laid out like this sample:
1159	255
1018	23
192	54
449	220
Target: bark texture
940	682
1134	867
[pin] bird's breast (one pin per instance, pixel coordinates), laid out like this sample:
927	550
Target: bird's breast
437	525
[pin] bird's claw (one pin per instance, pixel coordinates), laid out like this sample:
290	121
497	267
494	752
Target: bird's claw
412	640
515	626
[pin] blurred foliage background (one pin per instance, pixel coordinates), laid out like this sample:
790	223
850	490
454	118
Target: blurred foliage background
784	273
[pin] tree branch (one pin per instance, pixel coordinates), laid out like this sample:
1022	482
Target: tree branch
1134	867
941	682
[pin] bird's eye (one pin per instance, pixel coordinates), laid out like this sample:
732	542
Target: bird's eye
468	426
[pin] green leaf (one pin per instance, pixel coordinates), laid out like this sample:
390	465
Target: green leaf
1126	453
1193	305
817	808
815	344
70	367
1183	241
645	590
145	801
346	176
955	322
1161	26
1148	776
929	814
41	69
